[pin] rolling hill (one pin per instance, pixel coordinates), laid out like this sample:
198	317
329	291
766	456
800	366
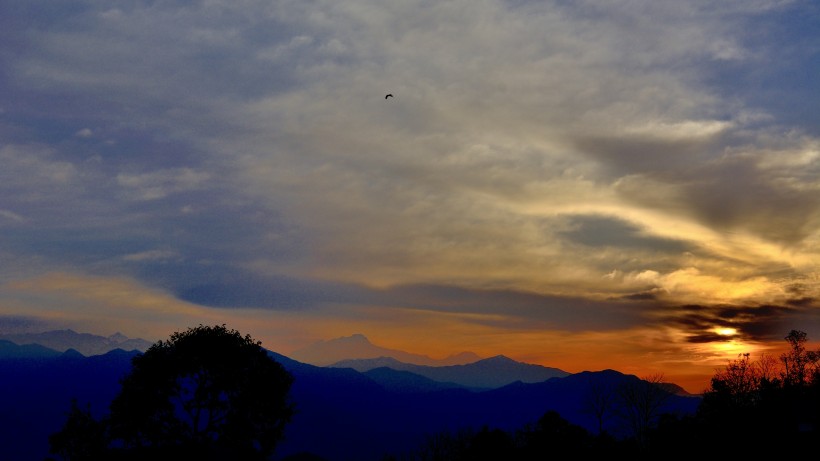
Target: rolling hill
341	414
483	374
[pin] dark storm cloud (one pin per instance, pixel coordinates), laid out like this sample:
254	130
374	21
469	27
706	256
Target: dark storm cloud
602	231
738	189
762	323
647	152
739	194
641	297
578	166
500	308
519	309
238	289
23	324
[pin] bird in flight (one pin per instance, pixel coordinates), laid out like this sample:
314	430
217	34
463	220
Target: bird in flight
388	96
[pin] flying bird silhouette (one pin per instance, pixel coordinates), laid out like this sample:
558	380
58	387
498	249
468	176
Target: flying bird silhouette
388	96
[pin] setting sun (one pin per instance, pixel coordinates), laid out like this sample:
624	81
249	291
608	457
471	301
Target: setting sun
583	185
726	331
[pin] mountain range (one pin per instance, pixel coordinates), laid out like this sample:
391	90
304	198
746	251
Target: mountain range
84	343
341	413
37	387
344	414
488	373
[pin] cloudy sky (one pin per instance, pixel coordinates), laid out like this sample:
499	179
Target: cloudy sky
586	184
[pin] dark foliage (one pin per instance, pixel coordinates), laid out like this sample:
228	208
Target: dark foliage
181	394
82	436
550	437
750	409
206	393
749	401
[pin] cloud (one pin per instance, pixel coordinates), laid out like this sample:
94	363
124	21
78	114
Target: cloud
11	216
601	231
25	166
499	106
535	155
23	324
159	184
749	323
150	255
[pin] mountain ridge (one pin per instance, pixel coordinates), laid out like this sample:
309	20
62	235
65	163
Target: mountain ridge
86	344
489	373
10	350
342	414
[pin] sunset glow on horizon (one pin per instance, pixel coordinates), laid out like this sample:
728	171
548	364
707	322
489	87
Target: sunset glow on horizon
582	185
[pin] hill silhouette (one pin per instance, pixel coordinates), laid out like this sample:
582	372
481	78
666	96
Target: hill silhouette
36	393
344	414
84	343
487	373
11	351
406	382
341	413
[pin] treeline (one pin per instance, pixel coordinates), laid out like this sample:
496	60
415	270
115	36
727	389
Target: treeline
211	393
207	394
751	408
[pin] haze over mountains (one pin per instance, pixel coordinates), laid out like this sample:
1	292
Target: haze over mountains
486	373
363	411
85	343
357	346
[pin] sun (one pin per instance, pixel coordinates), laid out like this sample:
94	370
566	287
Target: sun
726	331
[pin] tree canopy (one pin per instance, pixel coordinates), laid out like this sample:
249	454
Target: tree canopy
206	393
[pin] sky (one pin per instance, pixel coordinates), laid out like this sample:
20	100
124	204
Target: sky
586	184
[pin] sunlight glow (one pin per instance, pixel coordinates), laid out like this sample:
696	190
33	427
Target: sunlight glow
726	331
731	349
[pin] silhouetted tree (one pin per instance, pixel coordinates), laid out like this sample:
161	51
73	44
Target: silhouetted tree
767	368
553	434
680	437
747	399
743	400
206	393
642	404
489	445
799	364
600	401
739	384
444	446
82	437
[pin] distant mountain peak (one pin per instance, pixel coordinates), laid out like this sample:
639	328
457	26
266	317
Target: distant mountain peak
118	338
72	353
499	359
493	372
358	346
356	338
462	357
86	344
